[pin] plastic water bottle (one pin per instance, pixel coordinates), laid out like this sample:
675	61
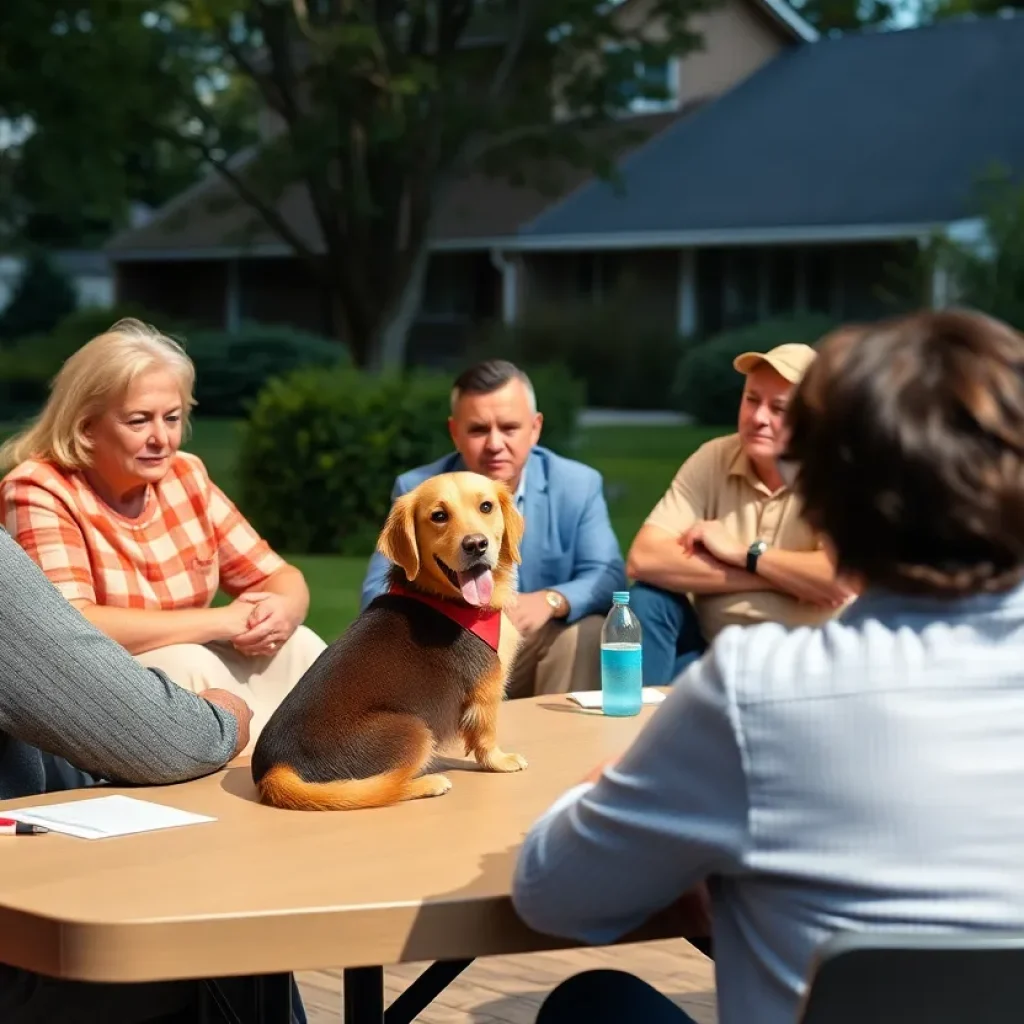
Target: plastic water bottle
621	659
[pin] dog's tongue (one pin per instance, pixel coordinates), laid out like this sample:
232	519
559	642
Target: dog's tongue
477	586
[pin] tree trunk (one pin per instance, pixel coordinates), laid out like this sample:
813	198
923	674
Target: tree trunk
388	350
342	328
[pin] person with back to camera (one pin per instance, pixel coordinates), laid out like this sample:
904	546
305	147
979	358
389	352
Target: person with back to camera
135	534
864	774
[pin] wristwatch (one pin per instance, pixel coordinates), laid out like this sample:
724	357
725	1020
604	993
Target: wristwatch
754	552
554	600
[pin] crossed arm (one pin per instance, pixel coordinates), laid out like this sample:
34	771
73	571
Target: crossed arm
707	559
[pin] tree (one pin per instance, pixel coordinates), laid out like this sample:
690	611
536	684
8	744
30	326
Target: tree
380	107
376	108
987	272
85	118
42	298
848	15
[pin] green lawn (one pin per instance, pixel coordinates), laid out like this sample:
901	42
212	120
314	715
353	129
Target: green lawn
637	464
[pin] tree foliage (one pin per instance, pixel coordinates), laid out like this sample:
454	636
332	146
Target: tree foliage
374	108
42	297
381	108
987	272
95	96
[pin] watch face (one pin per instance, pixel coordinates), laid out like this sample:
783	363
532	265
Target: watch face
553	600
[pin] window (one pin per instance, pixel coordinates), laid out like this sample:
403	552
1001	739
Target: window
653	87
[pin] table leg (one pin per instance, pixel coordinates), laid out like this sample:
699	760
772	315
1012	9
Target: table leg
274	999
424	990
363	995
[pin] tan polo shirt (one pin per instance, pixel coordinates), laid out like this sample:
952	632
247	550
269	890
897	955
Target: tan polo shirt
718	482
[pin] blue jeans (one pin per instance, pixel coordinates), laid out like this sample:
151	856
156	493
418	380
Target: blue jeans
671	631
609	997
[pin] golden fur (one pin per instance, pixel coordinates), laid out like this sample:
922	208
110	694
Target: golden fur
346	701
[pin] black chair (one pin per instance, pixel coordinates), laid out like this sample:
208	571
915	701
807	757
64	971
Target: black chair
901	978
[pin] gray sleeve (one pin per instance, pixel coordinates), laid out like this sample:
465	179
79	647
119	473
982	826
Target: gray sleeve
69	689
607	857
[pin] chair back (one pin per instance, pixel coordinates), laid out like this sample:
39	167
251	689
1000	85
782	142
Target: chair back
960	978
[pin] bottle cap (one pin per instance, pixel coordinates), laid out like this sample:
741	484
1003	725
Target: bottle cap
621	597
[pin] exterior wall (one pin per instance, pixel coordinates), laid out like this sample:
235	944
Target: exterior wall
737	40
280	291
743	285
732	287
649	277
190	290
462	291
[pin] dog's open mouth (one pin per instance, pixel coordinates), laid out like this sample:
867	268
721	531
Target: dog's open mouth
476	584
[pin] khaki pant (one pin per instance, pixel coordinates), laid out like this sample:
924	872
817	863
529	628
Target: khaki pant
262	682
558	659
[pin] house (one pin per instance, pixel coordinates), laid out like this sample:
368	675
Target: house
809	186
207	258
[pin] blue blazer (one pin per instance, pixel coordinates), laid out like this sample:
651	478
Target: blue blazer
568	544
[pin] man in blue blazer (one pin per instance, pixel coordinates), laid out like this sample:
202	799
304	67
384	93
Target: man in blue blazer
571	561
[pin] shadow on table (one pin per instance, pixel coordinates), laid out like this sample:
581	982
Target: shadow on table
238	782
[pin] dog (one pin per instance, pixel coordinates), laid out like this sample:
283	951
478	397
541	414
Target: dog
424	664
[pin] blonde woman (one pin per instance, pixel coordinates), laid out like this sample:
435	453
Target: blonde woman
135	535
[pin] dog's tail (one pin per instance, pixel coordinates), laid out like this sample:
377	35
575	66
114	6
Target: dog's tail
283	787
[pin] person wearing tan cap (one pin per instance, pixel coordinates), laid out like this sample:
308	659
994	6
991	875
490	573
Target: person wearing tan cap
727	543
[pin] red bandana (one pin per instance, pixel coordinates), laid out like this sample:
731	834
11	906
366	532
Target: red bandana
484	622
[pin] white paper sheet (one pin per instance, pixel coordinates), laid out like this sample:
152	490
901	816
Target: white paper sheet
106	816
591	699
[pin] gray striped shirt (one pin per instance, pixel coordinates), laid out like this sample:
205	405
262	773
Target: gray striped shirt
69	690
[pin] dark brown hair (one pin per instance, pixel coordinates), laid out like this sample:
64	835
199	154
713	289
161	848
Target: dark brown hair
908	436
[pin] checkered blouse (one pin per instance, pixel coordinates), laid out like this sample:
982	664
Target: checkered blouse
189	539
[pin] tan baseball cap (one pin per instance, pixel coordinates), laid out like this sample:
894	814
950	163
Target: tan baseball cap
790	361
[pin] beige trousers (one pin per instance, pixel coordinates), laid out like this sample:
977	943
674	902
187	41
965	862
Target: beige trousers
558	659
262	682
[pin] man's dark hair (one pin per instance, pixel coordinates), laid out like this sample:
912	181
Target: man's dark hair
487	377
908	436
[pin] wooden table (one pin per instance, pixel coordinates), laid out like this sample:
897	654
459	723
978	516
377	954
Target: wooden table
264	892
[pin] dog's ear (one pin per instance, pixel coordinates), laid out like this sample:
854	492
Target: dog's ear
397	541
514	525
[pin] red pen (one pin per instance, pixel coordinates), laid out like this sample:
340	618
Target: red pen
10	827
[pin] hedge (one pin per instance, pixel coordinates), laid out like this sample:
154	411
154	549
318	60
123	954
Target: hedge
321	450
706	385
624	358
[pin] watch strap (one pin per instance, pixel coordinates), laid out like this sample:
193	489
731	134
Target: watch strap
754	552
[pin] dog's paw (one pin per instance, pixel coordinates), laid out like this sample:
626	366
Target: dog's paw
427	785
502	762
439	785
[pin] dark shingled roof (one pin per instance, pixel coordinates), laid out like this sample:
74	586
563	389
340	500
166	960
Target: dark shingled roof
875	128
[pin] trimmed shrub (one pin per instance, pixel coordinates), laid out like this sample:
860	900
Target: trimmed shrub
42	297
624	359
706	385
321	450
560	399
29	365
231	369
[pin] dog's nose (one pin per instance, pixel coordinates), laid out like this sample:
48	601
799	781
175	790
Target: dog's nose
474	544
